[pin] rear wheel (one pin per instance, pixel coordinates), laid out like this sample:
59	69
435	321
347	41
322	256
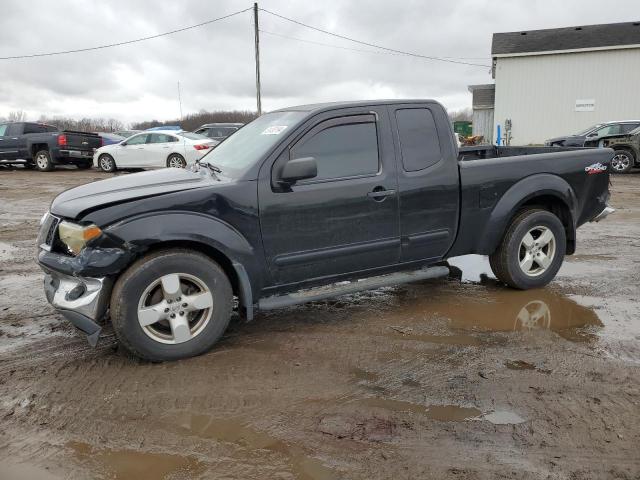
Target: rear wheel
622	161
176	161
42	160
170	305
107	163
532	250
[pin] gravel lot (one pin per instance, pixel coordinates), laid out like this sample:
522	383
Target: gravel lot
457	378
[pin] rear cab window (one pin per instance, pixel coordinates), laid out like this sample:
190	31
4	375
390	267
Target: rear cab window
418	137
343	148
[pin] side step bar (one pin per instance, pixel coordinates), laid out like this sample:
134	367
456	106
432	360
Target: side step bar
335	290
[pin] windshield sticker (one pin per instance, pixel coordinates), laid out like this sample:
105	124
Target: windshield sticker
274	130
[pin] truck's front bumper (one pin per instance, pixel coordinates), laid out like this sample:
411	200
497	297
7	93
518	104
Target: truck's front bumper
82	300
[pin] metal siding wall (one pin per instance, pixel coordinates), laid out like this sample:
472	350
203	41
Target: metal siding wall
483	124
538	93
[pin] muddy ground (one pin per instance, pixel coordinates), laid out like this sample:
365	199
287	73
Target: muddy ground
457	378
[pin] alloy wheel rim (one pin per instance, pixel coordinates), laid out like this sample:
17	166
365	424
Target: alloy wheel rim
620	161
175	162
537	251
175	308
105	163
42	161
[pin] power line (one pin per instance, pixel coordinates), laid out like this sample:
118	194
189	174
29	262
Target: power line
400	52
378	52
128	42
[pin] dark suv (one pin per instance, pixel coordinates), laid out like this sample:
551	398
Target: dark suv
218	131
594	133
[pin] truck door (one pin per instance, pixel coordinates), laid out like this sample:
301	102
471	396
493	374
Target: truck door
428	180
346	218
9	141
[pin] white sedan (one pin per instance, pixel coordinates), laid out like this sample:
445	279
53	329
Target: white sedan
157	149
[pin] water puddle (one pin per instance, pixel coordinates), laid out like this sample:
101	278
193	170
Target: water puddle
441	413
238	432
444	413
503	417
522	365
497	308
128	464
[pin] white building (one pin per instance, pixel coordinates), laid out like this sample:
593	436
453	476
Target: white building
560	81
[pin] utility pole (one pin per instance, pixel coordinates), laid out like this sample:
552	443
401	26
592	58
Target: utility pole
180	100
257	38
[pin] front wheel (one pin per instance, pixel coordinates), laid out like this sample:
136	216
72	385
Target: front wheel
107	163
176	161
532	250
170	305
622	161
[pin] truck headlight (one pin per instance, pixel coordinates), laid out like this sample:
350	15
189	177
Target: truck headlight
76	236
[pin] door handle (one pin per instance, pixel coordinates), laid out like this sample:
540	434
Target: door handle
380	193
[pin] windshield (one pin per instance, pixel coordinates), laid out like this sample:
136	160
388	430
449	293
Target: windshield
588	130
242	149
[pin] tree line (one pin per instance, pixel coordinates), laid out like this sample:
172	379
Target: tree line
189	122
192	121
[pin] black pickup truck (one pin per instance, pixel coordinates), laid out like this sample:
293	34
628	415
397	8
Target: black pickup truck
303	204
41	146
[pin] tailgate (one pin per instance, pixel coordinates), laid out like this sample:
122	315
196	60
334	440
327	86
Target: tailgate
82	140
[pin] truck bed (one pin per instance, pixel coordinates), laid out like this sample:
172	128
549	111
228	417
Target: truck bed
491	182
476	152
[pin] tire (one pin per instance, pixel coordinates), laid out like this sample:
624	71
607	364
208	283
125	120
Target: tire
622	161
141	306
84	165
176	160
42	161
106	163
532	262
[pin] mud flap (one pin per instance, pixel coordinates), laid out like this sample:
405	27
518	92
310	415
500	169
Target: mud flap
85	325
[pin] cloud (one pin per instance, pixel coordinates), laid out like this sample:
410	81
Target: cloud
215	63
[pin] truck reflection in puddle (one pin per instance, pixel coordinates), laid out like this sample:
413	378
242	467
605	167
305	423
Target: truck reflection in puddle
497	308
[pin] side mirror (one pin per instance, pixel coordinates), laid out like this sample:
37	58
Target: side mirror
299	169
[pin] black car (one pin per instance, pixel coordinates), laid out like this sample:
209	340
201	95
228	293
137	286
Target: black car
298	202
218	131
594	133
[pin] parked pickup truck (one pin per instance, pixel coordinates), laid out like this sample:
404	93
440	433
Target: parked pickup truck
41	146
302	204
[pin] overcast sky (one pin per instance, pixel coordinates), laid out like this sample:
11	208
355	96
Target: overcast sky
215	63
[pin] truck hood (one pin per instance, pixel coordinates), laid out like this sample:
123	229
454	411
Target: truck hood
77	201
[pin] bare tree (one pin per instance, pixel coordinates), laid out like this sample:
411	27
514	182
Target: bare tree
17	116
464	114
